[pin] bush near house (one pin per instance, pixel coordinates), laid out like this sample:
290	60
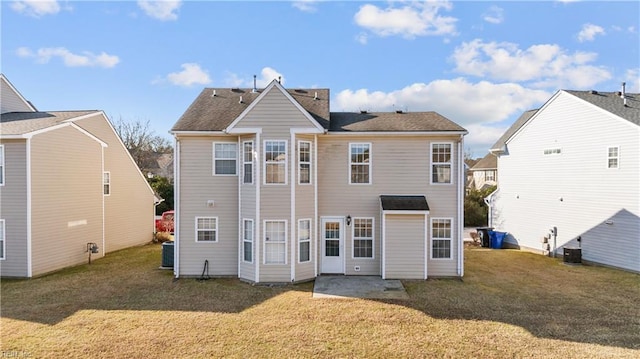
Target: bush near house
475	210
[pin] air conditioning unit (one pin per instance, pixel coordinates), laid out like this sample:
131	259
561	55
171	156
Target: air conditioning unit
572	255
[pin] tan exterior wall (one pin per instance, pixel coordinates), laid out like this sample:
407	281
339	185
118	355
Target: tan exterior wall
66	187
129	209
405	246
11	101
198	185
13	208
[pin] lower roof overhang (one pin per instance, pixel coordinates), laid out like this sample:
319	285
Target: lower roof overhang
404	204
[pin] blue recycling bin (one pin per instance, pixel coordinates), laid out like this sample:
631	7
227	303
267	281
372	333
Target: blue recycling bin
497	238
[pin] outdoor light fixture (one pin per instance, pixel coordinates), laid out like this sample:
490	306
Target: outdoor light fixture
348	220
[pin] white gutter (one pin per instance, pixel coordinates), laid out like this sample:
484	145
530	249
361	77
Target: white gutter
461	177
314	241
176	207
257	179
292	209
398	133
29	220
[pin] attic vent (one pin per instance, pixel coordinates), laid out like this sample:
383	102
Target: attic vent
363	111
593	92
399	111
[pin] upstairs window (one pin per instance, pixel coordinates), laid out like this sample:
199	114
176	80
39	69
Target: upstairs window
441	163
247	161
304	162
360	163
613	157
106	183
224	158
275	162
1	165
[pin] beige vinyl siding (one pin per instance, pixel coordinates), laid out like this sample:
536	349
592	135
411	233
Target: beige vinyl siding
13	208
400	165
11	101
66	189
531	183
129	209
197	187
305	209
276	115
405	246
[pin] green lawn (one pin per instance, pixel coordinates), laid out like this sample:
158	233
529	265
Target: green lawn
510	304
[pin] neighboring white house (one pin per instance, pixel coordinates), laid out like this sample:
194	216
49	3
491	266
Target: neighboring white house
484	173
66	182
272	187
573	164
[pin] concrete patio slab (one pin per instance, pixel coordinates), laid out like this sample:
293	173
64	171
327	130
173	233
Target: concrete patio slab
367	287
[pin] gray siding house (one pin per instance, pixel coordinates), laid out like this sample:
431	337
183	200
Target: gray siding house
573	164
66	180
272	187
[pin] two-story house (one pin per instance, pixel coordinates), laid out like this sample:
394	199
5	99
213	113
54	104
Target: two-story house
272	187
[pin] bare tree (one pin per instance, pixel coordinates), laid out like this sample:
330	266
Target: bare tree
142	142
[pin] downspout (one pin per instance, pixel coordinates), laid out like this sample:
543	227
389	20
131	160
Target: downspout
240	159
314	241
461	174
29	263
256	224
176	207
292	177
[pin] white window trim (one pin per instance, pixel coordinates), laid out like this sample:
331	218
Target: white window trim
353	238
370	164
264	240
306	240
216	230
244	239
616	157
213	155
310	163
286	163
3	233
107	183
245	162
431	164
431	239
2	163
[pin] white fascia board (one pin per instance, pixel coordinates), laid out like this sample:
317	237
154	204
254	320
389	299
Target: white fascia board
602	110
85	116
196	133
85	132
244	131
405	212
541	109
295	131
14	137
399	133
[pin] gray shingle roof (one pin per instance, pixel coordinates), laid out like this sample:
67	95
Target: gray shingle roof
499	145
391	121
209	113
404	203
613	102
20	123
488	162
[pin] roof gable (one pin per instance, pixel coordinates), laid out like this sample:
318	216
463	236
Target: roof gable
488	162
274	86
12	100
613	102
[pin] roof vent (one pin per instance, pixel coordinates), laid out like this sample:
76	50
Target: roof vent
255	89
315	95
399	111
363	111
593	92
240	100
214	94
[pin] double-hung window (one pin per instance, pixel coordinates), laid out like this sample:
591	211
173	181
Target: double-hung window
275	242
1	165
224	158
206	229
304	240
441	163
247	240
275	162
304	162
613	157
2	240
247	161
359	163
363	238
106	183
441	238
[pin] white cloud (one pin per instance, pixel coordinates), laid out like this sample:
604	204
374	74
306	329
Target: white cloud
494	15
544	65
589	32
479	107
306	5
85	59
632	78
36	8
409	21
164	10
191	74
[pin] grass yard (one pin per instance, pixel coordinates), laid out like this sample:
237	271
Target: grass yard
510	304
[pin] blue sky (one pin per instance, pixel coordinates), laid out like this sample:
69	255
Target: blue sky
481	63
